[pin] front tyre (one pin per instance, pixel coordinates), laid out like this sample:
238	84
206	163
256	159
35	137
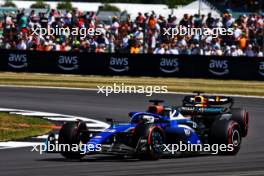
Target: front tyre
70	136
153	139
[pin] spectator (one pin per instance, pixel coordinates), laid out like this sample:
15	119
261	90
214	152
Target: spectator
21	45
185	21
135	49
249	52
160	49
173	50
140	19
210	21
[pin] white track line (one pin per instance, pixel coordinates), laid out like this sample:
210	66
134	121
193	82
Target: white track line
10	110
14	144
39	114
53	116
49	87
91	123
45	137
56	117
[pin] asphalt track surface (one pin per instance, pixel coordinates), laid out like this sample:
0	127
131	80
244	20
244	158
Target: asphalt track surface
249	161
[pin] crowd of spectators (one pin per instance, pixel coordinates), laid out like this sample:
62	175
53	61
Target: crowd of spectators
141	35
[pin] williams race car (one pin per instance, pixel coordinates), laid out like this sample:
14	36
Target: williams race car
144	137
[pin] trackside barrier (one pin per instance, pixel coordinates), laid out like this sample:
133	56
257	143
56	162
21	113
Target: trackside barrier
241	68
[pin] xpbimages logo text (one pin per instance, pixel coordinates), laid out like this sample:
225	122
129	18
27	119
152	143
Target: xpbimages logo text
191	31
131	89
206	148
61	31
56	147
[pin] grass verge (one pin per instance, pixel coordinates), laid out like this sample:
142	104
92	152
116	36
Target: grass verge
14	127
174	84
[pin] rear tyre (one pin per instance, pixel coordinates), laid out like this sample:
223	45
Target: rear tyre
70	135
153	137
226	132
241	116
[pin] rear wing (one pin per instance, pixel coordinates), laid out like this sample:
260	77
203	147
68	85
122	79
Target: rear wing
209	101
185	110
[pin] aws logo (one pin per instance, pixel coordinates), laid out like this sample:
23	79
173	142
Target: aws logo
119	64
17	61
68	63
169	65
261	68
219	67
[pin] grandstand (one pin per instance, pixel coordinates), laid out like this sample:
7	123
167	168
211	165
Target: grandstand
140	32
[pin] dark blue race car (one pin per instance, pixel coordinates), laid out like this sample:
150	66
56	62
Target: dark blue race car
148	134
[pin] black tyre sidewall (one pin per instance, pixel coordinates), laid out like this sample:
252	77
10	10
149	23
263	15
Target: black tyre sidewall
145	131
241	116
69	134
222	132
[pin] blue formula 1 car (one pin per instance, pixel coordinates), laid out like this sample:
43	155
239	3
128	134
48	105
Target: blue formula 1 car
146	134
